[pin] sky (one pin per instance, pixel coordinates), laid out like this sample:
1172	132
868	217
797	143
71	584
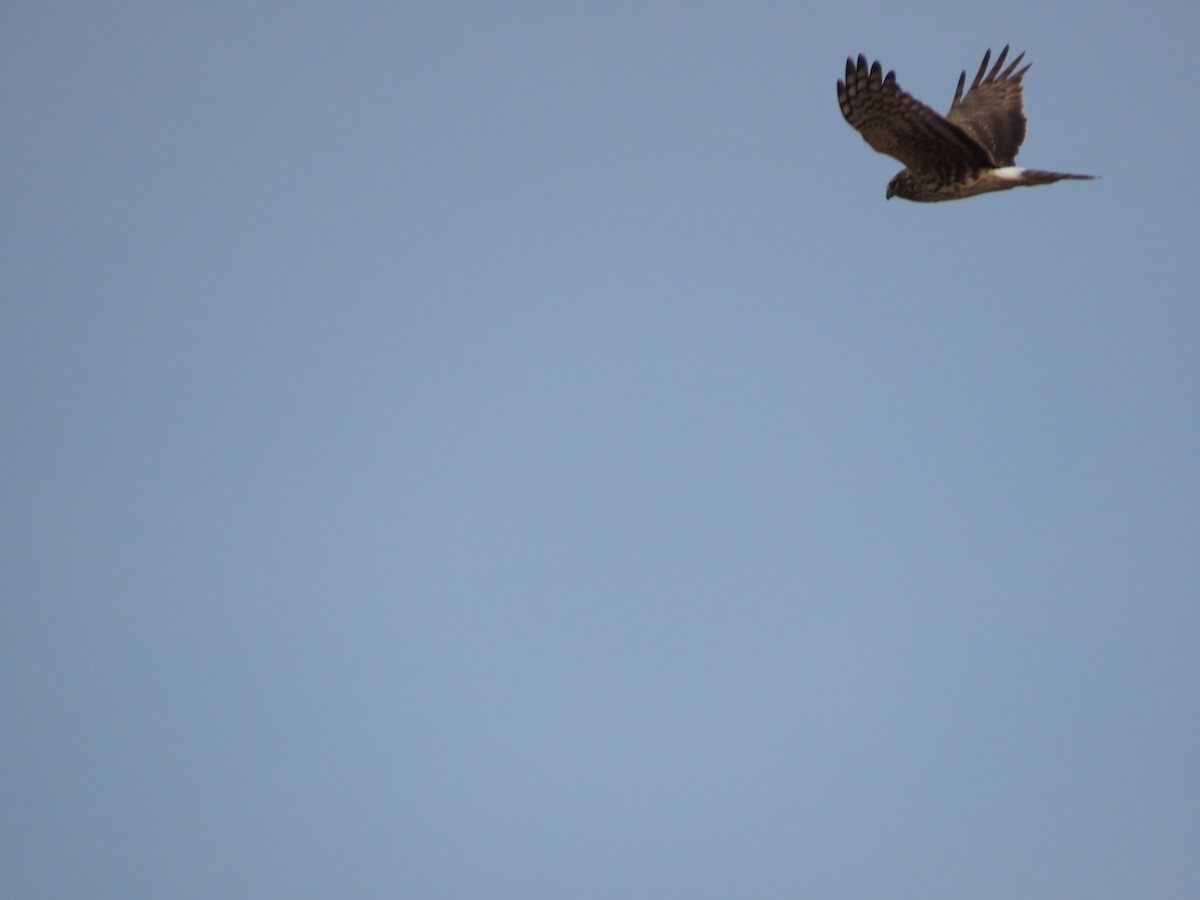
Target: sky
478	450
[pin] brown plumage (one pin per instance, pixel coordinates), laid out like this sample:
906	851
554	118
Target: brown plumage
971	150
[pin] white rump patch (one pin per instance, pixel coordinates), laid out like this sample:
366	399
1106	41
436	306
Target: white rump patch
1008	173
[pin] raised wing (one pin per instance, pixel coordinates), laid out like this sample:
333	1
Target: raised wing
892	122
991	111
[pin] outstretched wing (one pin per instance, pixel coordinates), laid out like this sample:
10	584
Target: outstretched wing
991	110
892	122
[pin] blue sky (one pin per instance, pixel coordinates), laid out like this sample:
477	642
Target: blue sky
514	451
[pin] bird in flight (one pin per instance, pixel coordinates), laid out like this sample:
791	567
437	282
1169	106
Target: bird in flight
971	150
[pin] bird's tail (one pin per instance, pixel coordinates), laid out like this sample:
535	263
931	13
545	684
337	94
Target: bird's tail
1037	176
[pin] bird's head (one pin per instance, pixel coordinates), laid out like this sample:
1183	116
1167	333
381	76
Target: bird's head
897	186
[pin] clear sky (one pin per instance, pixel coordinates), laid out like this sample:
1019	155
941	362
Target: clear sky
513	450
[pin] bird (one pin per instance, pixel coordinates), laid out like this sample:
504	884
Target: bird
971	150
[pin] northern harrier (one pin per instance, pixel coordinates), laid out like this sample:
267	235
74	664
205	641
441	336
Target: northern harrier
972	150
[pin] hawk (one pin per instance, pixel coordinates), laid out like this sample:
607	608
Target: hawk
972	150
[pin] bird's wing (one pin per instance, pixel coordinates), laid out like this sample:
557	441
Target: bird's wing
892	122
991	110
